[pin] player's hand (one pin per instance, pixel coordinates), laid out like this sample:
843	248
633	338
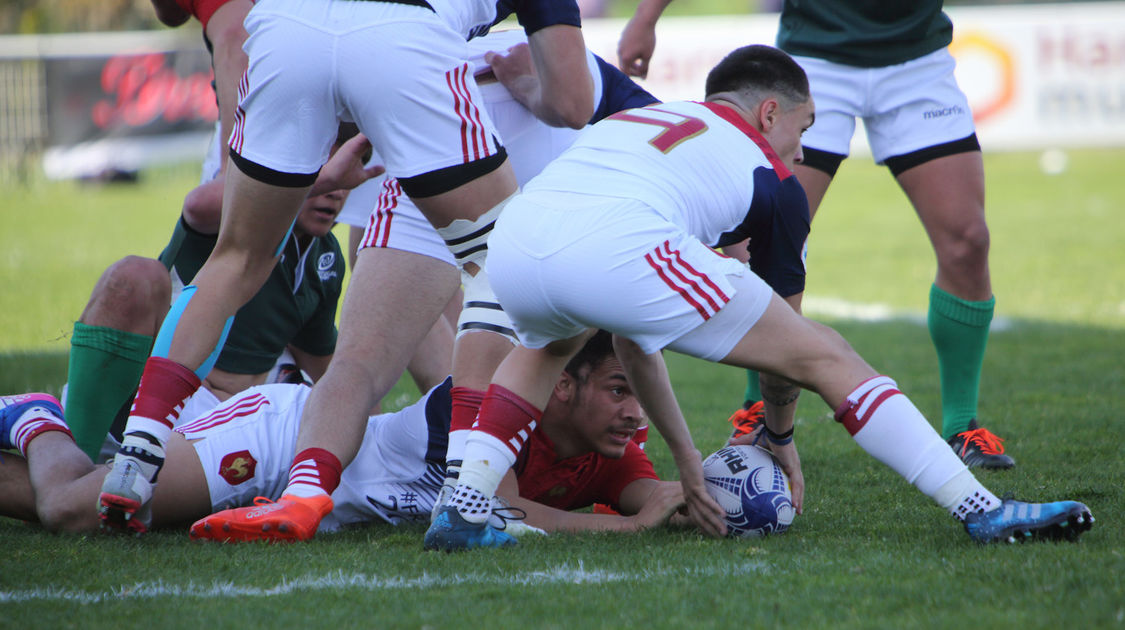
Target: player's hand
666	499
346	168
509	68
702	508
635	48
786	455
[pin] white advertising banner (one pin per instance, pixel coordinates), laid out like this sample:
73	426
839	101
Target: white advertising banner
1037	76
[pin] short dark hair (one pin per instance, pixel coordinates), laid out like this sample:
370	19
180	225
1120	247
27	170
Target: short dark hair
759	70
597	349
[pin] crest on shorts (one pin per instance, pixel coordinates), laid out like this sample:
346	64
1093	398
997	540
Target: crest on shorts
237	467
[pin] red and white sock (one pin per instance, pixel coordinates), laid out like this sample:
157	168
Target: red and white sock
466	404
164	388
314	471
504	424
37	420
890	428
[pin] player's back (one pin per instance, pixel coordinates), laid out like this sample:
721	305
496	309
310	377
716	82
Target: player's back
697	165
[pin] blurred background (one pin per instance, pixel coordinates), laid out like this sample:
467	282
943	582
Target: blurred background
99	89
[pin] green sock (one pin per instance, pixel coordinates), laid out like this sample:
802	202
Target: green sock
753	389
105	367
959	330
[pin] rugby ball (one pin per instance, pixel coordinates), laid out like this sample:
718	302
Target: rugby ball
752	488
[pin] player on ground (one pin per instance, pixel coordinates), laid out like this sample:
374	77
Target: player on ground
615	234
240	451
889	64
399	245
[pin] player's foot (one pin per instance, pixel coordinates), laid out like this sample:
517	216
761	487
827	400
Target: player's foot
1016	521
451	532
747	419
289	519
124	503
12	408
977	446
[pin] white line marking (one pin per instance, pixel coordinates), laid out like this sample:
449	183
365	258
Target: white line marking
837	308
362	581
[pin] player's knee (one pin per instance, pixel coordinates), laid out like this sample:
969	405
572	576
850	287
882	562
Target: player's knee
64	516
132	289
966	249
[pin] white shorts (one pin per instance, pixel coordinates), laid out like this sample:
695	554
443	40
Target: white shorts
247	444
396	70
390	219
905	107
617	265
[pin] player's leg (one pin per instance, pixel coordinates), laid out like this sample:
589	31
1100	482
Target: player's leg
392	301
885	423
511	408
110	344
948	194
281	139
936	160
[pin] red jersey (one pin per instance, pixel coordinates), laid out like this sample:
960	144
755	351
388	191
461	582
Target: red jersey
576	482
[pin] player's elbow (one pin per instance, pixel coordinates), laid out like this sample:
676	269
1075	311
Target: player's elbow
574	113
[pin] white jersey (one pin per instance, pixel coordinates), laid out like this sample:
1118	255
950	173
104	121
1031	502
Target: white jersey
615	233
664	156
246	445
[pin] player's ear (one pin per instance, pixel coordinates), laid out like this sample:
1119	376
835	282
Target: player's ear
565	387
769	110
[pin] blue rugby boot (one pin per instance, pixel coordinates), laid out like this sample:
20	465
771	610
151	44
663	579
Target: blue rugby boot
1016	521
12	408
449	531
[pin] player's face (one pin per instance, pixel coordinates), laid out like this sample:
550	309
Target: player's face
318	214
785	135
606	414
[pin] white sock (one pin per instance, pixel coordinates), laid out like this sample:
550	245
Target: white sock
473	496
893	431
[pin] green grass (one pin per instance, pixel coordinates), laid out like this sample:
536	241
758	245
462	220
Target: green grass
869	552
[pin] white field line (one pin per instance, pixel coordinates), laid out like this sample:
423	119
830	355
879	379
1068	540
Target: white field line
836	308
361	581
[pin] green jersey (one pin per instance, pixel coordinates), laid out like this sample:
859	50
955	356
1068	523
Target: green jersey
297	304
863	33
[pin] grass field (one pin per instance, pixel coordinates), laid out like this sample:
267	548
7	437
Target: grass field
869	552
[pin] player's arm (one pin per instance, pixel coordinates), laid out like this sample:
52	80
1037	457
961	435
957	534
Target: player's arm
638	39
648	375
654	501
549	75
313	365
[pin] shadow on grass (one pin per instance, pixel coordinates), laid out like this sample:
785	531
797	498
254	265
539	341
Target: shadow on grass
22	372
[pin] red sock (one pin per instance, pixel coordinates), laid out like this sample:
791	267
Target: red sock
507	417
314	470
165	385
466	404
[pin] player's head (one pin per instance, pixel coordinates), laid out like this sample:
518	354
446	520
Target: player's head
769	86
592	407
318	214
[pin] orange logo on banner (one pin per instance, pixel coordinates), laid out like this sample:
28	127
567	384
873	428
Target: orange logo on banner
237	467
997	55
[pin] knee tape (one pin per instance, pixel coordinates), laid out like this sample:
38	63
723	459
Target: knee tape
468	239
481	310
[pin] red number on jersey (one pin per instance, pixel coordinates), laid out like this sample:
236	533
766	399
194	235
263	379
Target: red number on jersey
674	132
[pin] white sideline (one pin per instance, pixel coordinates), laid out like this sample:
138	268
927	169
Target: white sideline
362	581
